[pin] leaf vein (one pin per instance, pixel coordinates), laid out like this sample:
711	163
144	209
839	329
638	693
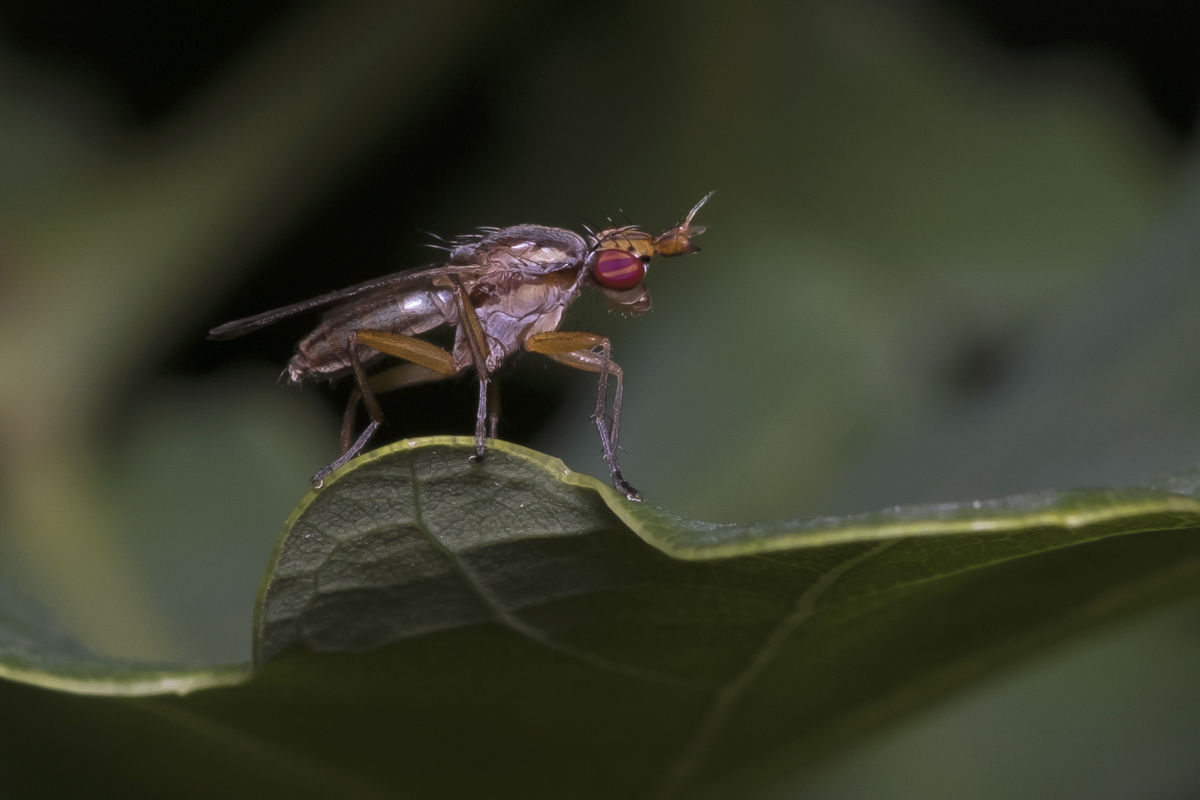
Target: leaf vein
683	769
509	618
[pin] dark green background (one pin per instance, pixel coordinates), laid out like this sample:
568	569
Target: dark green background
951	256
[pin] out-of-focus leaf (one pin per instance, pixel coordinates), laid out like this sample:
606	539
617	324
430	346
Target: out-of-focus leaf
228	437
1107	393
34	650
441	628
117	245
1106	717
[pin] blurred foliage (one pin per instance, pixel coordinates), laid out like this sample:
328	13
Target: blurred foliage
893	207
910	289
1108	718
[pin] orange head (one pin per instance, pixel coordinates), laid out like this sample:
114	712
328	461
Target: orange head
620	257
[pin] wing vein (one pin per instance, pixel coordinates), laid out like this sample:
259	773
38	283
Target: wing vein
394	282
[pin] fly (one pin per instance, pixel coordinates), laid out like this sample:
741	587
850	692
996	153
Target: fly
502	290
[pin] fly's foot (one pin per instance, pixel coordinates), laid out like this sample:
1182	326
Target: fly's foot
480	453
623	486
318	480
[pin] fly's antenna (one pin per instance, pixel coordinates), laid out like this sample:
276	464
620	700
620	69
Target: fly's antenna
678	240
687	221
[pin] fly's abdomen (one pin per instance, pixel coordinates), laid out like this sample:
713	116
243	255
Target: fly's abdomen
325	353
320	355
414	313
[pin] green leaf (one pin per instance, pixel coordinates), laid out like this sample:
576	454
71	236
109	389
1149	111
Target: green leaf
440	628
36	651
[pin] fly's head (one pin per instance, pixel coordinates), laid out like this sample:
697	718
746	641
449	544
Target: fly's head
620	257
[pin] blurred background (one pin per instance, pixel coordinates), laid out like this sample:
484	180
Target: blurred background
953	254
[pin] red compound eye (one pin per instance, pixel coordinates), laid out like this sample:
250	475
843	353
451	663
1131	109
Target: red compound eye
618	269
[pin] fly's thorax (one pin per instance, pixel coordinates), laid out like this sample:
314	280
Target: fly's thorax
524	248
513	306
521	294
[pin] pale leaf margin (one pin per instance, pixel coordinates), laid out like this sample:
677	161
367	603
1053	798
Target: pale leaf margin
695	540
115	678
1137	509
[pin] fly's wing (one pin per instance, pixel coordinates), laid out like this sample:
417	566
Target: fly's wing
397	281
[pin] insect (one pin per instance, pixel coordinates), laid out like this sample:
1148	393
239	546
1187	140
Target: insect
503	289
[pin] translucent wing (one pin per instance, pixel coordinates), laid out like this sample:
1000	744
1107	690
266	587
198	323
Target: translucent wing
395	281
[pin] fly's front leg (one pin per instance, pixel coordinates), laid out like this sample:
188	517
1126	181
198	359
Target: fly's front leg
434	361
579	350
477	346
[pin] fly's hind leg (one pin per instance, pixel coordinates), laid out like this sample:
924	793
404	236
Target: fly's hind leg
429	363
397	377
579	350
